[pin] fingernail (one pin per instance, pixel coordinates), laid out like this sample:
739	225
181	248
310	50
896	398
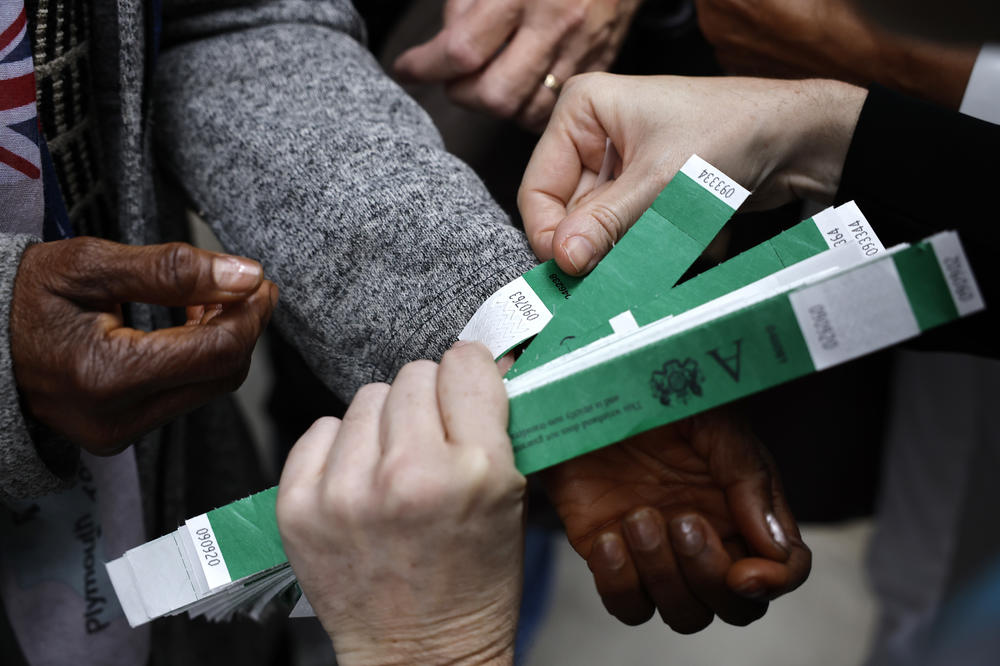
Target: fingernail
581	253
611	550
751	589
689	537
235	274
273	293
777	533
644	530
460	343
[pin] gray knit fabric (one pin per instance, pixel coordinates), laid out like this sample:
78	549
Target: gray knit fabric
25	469
301	153
287	137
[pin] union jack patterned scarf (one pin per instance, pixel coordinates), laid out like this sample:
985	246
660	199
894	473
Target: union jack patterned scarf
29	192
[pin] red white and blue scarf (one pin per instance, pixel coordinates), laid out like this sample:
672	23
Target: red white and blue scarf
30	201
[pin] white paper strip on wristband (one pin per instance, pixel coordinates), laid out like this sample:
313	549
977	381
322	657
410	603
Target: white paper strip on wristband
510	316
957	273
209	554
721	186
854	314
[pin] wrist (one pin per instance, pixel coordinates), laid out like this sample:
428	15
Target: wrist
477	639
815	123
392	653
403	651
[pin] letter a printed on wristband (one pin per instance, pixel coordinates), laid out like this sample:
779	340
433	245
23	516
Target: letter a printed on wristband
729	349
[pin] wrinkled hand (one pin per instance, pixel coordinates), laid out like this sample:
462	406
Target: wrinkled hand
404	522
87	376
781	139
689	519
493	55
829	38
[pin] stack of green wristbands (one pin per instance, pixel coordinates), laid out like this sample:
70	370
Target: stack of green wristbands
618	353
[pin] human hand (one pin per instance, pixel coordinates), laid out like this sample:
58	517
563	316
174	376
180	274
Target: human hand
781	139
84	374
829	38
404	522
494	55
688	519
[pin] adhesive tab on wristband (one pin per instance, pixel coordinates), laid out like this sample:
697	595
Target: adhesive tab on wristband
208	551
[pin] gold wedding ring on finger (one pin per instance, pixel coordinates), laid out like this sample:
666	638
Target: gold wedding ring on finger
552	83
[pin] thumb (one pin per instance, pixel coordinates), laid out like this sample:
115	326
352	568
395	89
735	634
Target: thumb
600	220
173	274
741	465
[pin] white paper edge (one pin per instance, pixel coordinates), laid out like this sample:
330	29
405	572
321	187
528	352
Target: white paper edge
967	296
215	576
715	182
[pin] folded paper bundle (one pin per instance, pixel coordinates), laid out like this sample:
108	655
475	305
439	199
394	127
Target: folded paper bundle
222	562
618	353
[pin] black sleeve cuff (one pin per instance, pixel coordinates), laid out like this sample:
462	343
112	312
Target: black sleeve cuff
916	169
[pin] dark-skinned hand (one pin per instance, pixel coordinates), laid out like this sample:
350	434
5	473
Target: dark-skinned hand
84	374
688	519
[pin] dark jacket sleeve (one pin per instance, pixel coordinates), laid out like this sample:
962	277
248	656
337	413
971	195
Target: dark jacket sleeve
916	169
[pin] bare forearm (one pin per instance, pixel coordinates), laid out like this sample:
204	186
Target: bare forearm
830	39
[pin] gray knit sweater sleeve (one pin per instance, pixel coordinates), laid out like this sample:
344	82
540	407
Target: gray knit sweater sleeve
299	151
29	466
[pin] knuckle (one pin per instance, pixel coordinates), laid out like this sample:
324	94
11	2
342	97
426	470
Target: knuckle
572	17
292	511
80	262
518	483
326	423
579	84
476	469
84	246
411	493
499	100
339	505
453	354
366	404
420	367
371	392
461	52
395	470
178	266
609	222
